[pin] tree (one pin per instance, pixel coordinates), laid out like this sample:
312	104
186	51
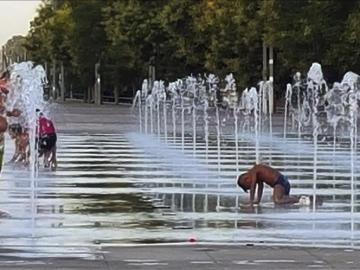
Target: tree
88	40
14	50
38	40
182	37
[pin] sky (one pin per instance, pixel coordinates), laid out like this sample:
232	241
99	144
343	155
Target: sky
15	17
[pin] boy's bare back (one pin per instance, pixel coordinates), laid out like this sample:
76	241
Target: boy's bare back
265	174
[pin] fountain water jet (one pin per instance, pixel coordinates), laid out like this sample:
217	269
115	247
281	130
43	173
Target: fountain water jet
158	117
174	120
26	88
236	139
165	117
194	126
206	127
303	108
137	99
182	124
287	100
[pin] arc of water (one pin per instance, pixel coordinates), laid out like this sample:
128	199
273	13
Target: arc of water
206	127
26	84
353	133
270	98
182	124
206	131
257	146
315	94
146	116
315	135
158	116
137	100
33	166
218	139
253	95
140	113
165	117
174	120
299	113
236	139
149	103
151	115
261	103
145	88
287	99
194	127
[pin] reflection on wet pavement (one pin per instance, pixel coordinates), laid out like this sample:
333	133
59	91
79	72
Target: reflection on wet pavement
110	190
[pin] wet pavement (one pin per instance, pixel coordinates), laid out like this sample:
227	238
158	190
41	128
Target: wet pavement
115	187
197	257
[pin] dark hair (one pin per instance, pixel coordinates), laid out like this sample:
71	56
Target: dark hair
5	74
16	128
239	182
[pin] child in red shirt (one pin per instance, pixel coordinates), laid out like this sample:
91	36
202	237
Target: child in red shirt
47	141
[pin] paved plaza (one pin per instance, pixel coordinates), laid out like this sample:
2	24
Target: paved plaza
72	209
195	257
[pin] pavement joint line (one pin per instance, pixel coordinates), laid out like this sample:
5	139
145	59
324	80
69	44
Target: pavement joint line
210	256
106	262
318	258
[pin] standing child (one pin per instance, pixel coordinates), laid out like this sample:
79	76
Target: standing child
47	141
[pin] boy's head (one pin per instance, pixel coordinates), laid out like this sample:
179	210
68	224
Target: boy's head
14	130
243	181
5	75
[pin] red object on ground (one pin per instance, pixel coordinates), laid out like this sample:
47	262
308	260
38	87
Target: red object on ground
46	126
192	239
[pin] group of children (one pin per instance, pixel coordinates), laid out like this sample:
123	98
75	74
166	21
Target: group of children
45	142
45	131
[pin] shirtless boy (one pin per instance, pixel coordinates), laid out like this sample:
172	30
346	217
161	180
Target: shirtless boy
258	175
21	138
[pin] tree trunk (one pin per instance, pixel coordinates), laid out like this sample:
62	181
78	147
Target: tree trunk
116	95
95	96
46	69
91	94
264	71
53	86
97	86
86	93
125	89
62	85
3	58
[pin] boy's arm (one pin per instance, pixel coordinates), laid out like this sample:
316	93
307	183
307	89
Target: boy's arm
260	191
253	186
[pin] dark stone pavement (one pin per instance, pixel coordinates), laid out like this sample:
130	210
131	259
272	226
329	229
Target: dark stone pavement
75	117
197	257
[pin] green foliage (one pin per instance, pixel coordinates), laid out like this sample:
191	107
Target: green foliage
181	37
39	37
14	49
88	37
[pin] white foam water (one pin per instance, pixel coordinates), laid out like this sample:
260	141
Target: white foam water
27	94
